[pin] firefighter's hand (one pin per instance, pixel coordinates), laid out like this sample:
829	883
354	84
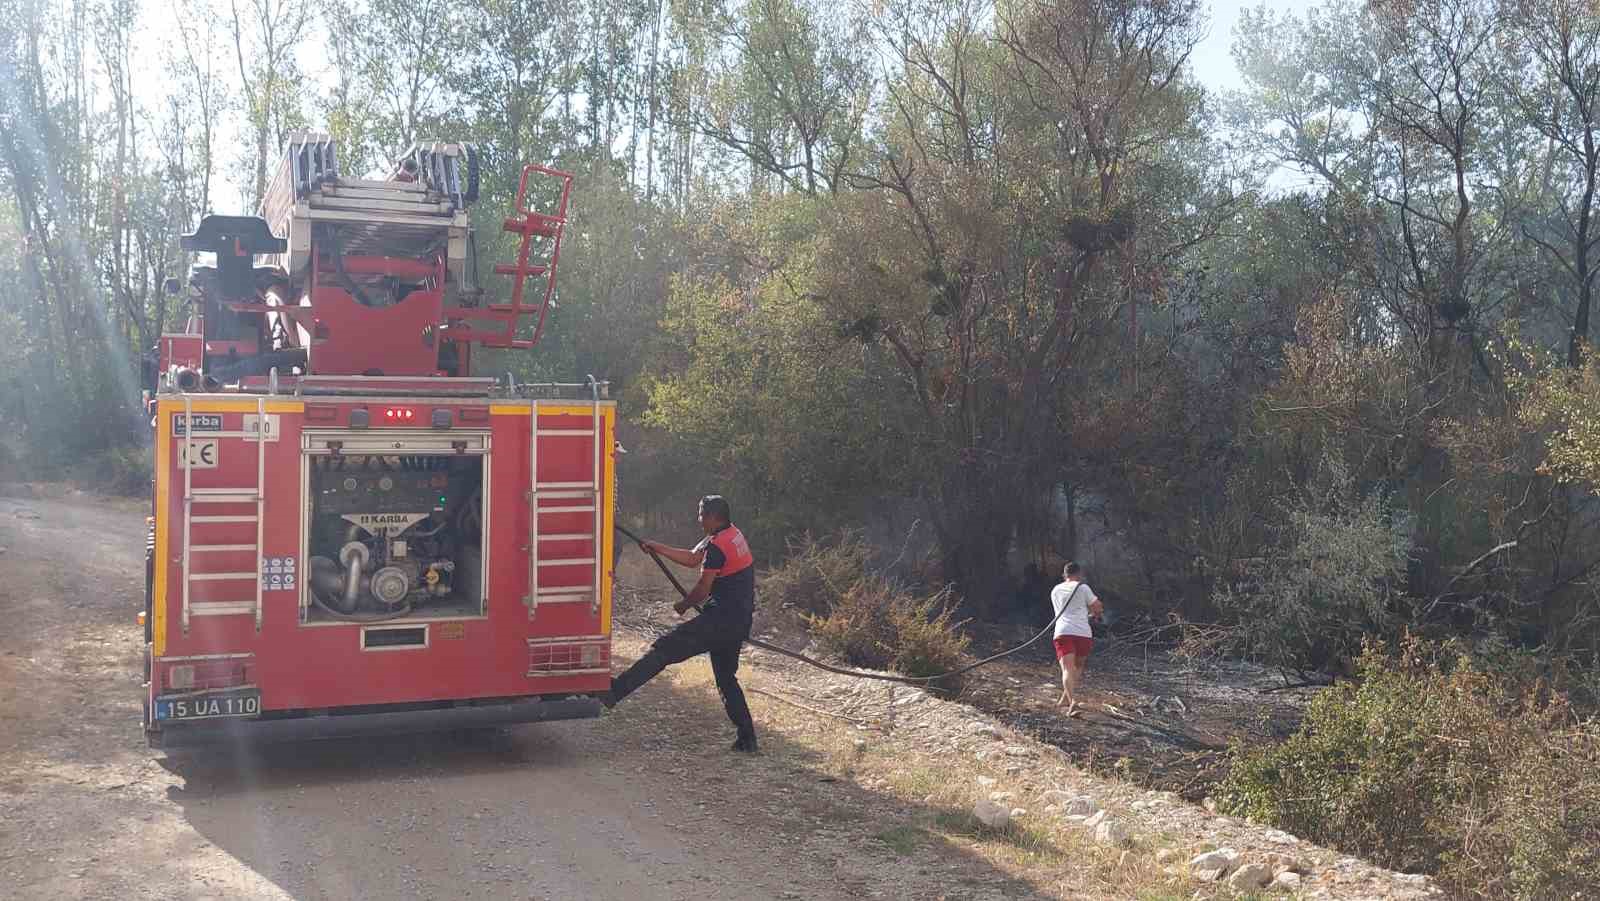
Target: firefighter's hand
681	607
646	545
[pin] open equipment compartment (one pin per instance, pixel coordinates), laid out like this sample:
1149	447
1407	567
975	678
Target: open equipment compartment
394	526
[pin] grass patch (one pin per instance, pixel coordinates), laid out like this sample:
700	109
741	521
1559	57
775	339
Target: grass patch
919	783
903	840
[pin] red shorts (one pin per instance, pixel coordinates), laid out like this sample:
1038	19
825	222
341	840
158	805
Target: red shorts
1076	645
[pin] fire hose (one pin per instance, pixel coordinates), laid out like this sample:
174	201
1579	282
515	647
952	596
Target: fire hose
908	680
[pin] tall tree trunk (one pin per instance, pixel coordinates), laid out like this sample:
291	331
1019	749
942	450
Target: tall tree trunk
650	128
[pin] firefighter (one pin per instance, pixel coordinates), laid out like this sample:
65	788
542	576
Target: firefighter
727	587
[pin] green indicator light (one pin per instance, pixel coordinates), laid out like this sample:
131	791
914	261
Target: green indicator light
441	498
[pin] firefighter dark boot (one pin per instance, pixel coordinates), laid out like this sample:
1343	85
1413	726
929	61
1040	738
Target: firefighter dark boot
725	668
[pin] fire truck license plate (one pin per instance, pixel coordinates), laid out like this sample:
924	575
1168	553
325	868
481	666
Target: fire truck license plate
202	707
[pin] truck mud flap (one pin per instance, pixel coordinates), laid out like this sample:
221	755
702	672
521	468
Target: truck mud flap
179	736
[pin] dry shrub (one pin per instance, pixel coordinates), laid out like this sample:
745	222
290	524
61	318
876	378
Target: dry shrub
817	574
858	627
927	642
863	617
879	625
1433	761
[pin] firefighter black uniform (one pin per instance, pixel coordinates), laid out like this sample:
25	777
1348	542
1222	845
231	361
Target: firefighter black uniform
720	631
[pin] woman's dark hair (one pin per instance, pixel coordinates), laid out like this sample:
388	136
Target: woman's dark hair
1071	569
717	505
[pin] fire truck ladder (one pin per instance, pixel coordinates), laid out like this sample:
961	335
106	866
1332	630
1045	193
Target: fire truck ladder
539	233
586	497
199	497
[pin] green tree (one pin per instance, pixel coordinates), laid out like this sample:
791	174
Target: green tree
1557	91
265	35
789	93
404	56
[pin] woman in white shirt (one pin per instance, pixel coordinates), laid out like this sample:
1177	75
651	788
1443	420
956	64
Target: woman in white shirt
1074	602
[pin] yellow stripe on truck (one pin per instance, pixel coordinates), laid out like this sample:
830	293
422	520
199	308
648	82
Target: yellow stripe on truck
238	406
549	409
610	483
163	495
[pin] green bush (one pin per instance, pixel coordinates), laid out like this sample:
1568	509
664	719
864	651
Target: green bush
1333	578
1429	762
119	470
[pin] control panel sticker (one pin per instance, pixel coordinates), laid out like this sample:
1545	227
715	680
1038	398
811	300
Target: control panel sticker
277	573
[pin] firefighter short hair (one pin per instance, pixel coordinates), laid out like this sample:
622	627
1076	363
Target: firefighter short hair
1071	570
717	505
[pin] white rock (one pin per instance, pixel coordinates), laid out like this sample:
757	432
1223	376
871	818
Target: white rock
1111	832
1287	879
986	781
1095	820
991	814
985	729
998	797
1213	865
1249	877
1082	807
1166	855
1279	837
1018	813
1055	796
1280	862
1020	751
1052	809
1075	820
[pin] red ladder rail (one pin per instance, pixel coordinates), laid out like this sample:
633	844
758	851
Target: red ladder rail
531	225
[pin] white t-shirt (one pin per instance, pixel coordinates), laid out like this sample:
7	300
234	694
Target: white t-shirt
1076	620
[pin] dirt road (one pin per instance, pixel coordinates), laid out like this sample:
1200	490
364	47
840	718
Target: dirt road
859	792
644	805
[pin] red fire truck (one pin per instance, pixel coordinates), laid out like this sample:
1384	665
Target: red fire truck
350	531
